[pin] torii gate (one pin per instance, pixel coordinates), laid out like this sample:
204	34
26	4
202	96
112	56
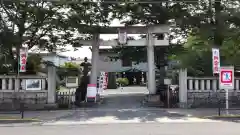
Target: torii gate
149	41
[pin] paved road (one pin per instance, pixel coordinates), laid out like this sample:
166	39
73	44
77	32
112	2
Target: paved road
129	129
125	97
123	106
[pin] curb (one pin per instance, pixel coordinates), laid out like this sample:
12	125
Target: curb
11	121
222	117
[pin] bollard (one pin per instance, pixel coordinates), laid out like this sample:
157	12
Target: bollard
219	111
22	110
219	108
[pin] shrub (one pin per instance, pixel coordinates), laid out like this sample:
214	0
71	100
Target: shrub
123	81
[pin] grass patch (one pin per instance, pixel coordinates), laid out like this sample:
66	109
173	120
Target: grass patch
15	118
222	116
9	117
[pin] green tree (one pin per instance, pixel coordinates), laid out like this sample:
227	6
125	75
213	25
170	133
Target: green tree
196	54
210	20
30	23
200	25
70	65
34	63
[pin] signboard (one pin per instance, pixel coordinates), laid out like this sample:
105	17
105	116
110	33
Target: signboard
91	92
72	82
33	84
122	37
167	81
226	78
23	60
215	60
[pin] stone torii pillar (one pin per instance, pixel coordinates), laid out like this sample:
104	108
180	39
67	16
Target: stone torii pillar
151	64
95	56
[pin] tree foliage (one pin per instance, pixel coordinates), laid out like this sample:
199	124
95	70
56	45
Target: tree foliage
70	65
34	62
51	25
202	25
196	54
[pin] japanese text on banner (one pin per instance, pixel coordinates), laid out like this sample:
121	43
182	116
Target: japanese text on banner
215	60
23	60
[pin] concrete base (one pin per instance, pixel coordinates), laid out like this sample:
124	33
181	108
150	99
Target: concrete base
28	107
50	106
153	101
183	105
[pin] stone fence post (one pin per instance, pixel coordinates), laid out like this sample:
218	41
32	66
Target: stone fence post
51	84
183	88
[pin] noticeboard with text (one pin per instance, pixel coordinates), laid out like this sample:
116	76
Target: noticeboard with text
226	78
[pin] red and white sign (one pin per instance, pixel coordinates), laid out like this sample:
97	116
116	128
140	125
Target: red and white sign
23	60
226	78
103	81
215	60
91	92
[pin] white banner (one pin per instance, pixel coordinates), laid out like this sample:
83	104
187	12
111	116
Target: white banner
215	60
23	60
101	80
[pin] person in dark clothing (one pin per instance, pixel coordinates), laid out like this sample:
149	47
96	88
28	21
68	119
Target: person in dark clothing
78	96
83	87
81	91
86	66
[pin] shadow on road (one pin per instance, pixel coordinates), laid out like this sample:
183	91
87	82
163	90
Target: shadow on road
121	107
121	114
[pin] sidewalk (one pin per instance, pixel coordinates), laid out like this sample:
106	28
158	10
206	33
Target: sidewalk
111	115
58	114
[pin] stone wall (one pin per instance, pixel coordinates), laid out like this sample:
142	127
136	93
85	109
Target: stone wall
195	92
15	91
12	100
212	99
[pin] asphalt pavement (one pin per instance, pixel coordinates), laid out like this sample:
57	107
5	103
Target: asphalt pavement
223	128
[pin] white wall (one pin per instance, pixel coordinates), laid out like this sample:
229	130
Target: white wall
111	65
58	61
48	58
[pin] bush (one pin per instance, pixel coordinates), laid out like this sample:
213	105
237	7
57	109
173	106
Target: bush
123	81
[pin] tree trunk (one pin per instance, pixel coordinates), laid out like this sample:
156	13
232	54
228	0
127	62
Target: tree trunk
218	37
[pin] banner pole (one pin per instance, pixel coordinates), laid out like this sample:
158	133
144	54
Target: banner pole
227	104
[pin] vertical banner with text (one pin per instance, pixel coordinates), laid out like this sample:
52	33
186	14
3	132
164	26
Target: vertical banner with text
215	60
23	59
